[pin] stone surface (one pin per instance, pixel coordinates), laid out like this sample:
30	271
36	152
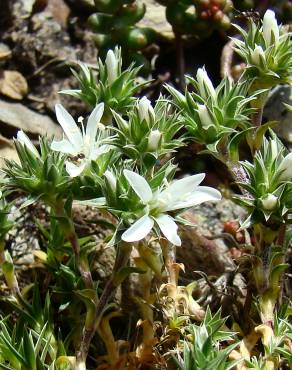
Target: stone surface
13	85
17	117
155	18
275	110
5	51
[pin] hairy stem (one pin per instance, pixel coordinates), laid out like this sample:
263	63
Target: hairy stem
70	234
122	258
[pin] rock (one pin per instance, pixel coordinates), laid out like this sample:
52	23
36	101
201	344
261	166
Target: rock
59	10
13	85
155	18
5	52
197	251
16	116
275	110
7	150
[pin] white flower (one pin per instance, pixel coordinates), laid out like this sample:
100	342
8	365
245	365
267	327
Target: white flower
111	63
180	194
145	110
269	201
154	140
25	141
206	87
84	146
286	168
204	115
257	55
270	28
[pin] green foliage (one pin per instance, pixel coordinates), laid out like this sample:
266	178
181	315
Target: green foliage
266	50
206	350
112	86
269	188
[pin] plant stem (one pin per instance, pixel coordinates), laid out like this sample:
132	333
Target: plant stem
180	60
122	258
70	234
257	117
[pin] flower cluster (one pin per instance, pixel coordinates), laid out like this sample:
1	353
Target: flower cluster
149	132
269	188
210	114
113	87
266	50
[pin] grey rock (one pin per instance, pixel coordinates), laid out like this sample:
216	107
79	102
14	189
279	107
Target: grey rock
275	110
20	117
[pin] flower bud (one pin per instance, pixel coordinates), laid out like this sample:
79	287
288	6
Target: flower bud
206	119
25	141
111	178
286	168
269	202
205	84
270	27
111	66
257	55
145	110
154	140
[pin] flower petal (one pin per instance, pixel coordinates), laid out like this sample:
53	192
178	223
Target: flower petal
24	140
139	185
139	229
169	229
98	151
69	126
74	170
93	121
285	168
200	195
64	146
180	189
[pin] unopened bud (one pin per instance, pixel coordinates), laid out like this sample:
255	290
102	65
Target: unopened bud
206	119
286	168
270	28
145	110
154	140
257	55
269	202
111	66
205	84
111	178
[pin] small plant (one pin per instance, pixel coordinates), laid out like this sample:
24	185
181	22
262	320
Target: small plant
122	164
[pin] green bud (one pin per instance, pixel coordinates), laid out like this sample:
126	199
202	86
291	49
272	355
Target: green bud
154	140
269	202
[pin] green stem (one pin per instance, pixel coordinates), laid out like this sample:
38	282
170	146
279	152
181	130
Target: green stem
70	234
122	258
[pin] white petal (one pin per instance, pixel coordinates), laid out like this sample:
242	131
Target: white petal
64	146
169	229
98	151
139	229
179	189
139	185
24	140
286	167
200	195
74	170
69	126
93	121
